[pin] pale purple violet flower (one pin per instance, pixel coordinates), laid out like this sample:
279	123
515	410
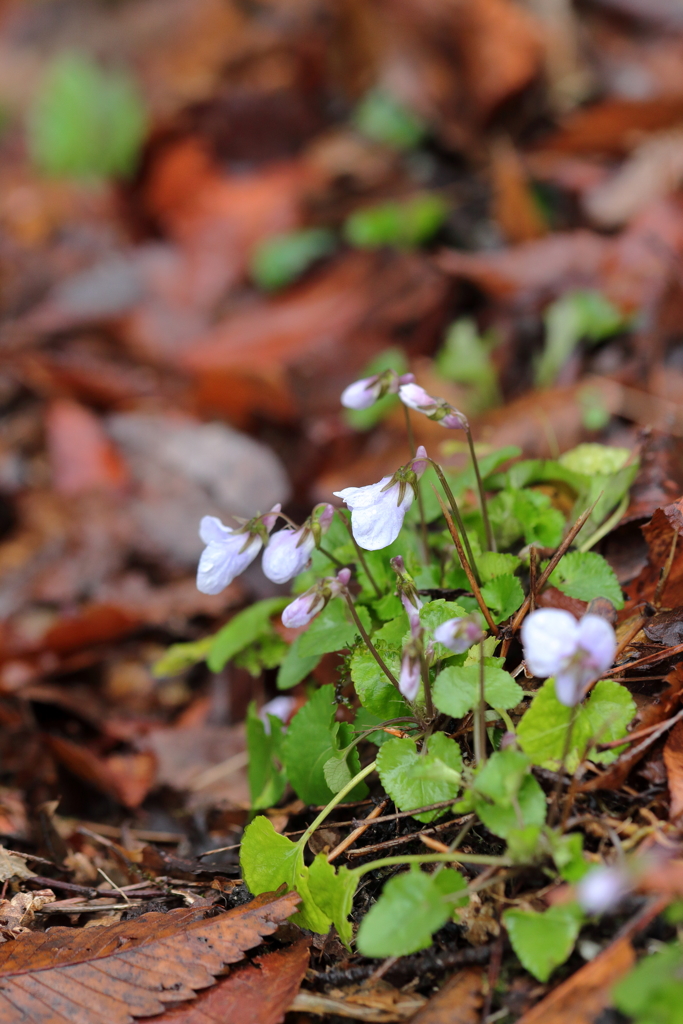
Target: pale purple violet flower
289	550
575	653
603	888
280	707
304	608
410	675
229	551
378	510
437	409
365	392
459	634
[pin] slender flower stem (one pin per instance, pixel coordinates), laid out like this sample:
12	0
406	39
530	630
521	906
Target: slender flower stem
468	571
328	554
480	714
368	642
434	858
336	799
555	808
427	687
361	556
456	515
420	501
490	539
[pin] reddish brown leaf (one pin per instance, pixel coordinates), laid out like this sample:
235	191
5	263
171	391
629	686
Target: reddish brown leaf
515	209
659	534
612	126
458	1002
673	759
81	455
109	975
126	778
586	993
257	993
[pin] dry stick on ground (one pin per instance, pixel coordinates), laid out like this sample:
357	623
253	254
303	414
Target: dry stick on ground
545	575
351	838
408	838
640	733
465	564
651	659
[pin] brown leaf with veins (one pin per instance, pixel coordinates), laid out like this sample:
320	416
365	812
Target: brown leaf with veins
259	992
110	975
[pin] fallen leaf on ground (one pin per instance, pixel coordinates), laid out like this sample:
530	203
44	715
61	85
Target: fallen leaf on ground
260	992
81	455
673	759
13	866
16	914
321	1005
586	993
458	1002
126	778
611	127
109	975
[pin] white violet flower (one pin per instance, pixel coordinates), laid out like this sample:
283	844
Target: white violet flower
603	888
279	707
289	550
437	409
410	675
365	392
459	634
229	551
378	510
575	653
304	608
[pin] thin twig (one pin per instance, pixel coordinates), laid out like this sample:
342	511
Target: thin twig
465	564
408	838
368	642
650	659
456	514
357	832
490	539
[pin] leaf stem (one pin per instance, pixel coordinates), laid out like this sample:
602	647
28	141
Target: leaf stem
328	554
435	858
368	642
456	515
480	714
490	539
361	556
336	799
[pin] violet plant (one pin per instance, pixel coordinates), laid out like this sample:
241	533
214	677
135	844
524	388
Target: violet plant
421	586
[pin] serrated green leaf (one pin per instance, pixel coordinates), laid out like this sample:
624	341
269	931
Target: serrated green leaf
456	689
587	575
432	615
332	630
543	941
411	908
312	738
652	993
180	657
392	633
281	259
269	860
337	772
398	763
267	779
86	121
333	892
374	690
503	595
494	563
592	459
506	796
242	630
604	716
294	668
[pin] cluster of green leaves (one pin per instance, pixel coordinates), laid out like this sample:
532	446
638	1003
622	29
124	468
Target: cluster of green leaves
652	993
575	316
85	121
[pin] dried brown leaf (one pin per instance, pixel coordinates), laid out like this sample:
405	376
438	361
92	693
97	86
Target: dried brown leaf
673	759
13	866
16	914
260	992
458	1002
110	975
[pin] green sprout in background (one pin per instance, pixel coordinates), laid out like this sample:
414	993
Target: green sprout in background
383	119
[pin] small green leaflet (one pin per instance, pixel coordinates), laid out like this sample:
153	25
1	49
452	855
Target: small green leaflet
179	657
242	630
269	860
267	780
503	595
603	717
652	993
406	224
333	893
294	668
412	907
383	118
332	630
280	259
313	737
494	563
374	690
456	690
403	773
586	575
506	796
592	459
544	941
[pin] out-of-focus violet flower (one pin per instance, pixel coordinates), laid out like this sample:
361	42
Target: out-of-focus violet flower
364	393
460	634
437	409
410	675
304	608
405	585
280	707
575	653
289	550
603	889
229	551
378	510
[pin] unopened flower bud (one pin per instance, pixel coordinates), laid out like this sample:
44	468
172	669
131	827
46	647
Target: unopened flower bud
304	608
437	409
461	633
410	675
365	392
